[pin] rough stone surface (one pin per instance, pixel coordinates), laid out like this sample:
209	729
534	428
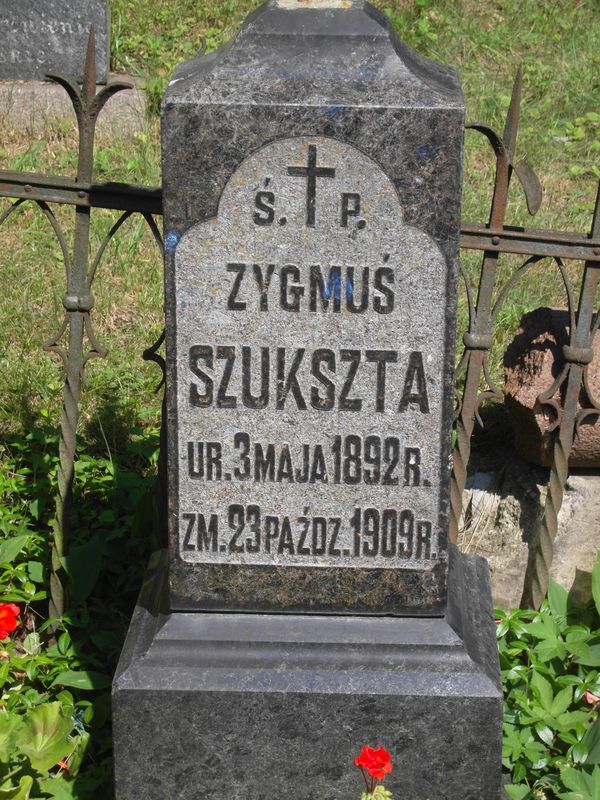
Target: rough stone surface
35	105
211	705
504	502
315	303
41	36
531	364
38	104
391	123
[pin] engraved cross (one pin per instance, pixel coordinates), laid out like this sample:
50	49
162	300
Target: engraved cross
311	172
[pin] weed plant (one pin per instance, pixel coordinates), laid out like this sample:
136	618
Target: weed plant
550	664
55	736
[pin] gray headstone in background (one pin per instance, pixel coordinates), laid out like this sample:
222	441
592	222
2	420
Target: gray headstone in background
312	219
41	36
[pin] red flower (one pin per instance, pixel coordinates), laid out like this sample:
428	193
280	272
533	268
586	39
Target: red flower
377	762
8	618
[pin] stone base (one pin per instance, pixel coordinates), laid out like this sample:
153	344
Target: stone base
250	707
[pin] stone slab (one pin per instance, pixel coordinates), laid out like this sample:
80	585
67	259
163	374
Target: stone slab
38	105
505	497
41	36
389	123
243	705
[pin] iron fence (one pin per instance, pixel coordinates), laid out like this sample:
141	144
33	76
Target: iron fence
484	303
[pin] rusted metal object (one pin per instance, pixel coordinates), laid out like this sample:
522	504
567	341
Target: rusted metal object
78	300
478	339
53	189
492	239
578	355
528	241
496	238
78	303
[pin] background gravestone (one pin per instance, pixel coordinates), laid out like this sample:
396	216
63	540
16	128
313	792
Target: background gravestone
311	184
41	36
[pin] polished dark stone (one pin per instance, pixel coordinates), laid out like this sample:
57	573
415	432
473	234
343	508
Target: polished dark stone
41	36
341	73
258	706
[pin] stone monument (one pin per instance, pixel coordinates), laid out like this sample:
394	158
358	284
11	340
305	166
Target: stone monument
311	604
42	36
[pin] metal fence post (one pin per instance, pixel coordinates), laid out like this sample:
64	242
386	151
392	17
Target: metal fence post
78	303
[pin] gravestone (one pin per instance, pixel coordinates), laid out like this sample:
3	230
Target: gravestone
309	602
42	36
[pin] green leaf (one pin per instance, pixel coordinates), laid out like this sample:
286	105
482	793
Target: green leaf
44	736
543	690
579	649
576	780
517	791
558	599
82	679
545	733
20	792
9	728
381	793
59	788
571	719
32	644
11	547
562	701
539	630
592	659
36	571
35	508
596	582
551	648
542	627
591	741
81	748
579	753
82	564
596	783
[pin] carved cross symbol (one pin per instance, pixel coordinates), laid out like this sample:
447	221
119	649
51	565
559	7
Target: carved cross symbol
311	172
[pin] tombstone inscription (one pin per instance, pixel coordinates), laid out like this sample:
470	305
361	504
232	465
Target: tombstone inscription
311	186
310	394
42	36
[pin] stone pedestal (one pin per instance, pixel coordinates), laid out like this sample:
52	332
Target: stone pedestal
210	705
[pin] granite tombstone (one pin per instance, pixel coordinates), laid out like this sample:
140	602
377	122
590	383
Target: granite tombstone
311	177
42	36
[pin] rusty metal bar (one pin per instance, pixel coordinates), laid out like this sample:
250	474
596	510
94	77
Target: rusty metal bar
478	339
148	200
530	241
81	193
78	303
578	355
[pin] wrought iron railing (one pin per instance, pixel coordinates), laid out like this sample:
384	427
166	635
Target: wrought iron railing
492	239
